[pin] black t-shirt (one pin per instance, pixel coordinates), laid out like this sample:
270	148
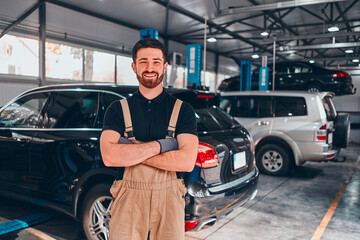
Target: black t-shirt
150	118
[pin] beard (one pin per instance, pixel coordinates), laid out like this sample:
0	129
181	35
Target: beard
150	83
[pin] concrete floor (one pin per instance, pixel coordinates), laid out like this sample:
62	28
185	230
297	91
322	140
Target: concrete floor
284	208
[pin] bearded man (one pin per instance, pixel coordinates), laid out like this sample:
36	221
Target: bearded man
150	136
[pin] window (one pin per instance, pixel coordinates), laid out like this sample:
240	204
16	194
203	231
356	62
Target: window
290	106
23	113
19	56
105	100
125	74
73	109
213	119
64	61
99	66
251	107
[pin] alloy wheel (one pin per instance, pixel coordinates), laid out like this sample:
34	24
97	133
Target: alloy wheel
272	161
99	218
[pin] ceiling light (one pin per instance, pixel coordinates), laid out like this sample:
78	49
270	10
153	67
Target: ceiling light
333	29
311	61
355	60
349	51
264	33
212	39
255	56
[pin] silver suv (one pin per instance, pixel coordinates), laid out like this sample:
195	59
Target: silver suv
289	128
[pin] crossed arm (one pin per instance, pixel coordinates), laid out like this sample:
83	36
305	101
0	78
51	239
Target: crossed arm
116	154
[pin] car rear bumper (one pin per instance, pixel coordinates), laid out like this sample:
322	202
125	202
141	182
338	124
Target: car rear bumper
219	201
319	151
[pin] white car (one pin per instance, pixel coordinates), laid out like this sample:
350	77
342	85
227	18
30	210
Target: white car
289	128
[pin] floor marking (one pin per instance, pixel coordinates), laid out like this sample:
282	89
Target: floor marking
322	226
24	222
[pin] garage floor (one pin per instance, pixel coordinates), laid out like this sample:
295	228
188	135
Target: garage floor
284	208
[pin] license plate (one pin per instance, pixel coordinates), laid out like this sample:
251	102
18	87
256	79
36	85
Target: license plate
330	138
239	160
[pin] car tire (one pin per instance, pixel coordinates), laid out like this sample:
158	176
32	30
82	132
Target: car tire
96	212
342	130
314	88
273	159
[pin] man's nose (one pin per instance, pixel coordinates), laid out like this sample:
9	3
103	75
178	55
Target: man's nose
150	66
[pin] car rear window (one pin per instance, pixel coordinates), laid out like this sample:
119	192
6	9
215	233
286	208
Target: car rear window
213	119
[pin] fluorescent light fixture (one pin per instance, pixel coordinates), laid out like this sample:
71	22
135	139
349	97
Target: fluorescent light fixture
311	61
264	33
255	56
349	51
333	29
355	60
212	39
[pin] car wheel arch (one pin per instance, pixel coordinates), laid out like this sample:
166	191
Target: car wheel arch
85	184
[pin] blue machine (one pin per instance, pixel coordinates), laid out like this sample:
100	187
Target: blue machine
245	75
264	79
149	33
194	61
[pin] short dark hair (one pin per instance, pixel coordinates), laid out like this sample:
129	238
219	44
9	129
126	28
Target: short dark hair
148	43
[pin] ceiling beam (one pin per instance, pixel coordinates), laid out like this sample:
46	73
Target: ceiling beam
210	23
271	6
21	18
325	46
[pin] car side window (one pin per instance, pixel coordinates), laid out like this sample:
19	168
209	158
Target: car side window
73	109
24	112
251	107
105	100
290	106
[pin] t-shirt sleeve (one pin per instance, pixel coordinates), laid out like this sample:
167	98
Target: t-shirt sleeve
114	119
186	120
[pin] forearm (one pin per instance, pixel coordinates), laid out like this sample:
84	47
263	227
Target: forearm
124	155
178	160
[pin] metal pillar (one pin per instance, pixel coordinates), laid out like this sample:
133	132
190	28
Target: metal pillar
42	40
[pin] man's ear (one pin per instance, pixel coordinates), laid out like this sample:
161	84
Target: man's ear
165	66
133	66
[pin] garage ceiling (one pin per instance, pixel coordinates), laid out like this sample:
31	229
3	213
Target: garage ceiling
299	27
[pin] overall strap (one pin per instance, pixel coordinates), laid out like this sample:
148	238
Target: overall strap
173	119
129	132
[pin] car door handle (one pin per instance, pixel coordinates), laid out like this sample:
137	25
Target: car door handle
261	123
22	141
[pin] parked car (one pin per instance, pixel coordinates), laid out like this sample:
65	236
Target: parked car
50	155
297	75
289	127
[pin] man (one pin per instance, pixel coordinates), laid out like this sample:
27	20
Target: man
149	200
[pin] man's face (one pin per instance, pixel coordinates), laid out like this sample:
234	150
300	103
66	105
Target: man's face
149	67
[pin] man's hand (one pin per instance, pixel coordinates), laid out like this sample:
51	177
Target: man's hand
182	160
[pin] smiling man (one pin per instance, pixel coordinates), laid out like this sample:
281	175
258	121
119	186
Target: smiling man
153	135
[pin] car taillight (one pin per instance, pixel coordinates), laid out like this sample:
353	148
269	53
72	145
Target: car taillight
340	74
321	133
204	96
207	156
190	224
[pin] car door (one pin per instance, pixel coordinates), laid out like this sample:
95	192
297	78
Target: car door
291	118
253	112
18	125
66	145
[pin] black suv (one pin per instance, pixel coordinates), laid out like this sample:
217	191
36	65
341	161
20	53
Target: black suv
50	155
297	75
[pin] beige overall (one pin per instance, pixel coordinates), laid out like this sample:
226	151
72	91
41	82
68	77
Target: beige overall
149	202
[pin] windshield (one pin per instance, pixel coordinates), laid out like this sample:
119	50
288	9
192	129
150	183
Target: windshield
214	119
